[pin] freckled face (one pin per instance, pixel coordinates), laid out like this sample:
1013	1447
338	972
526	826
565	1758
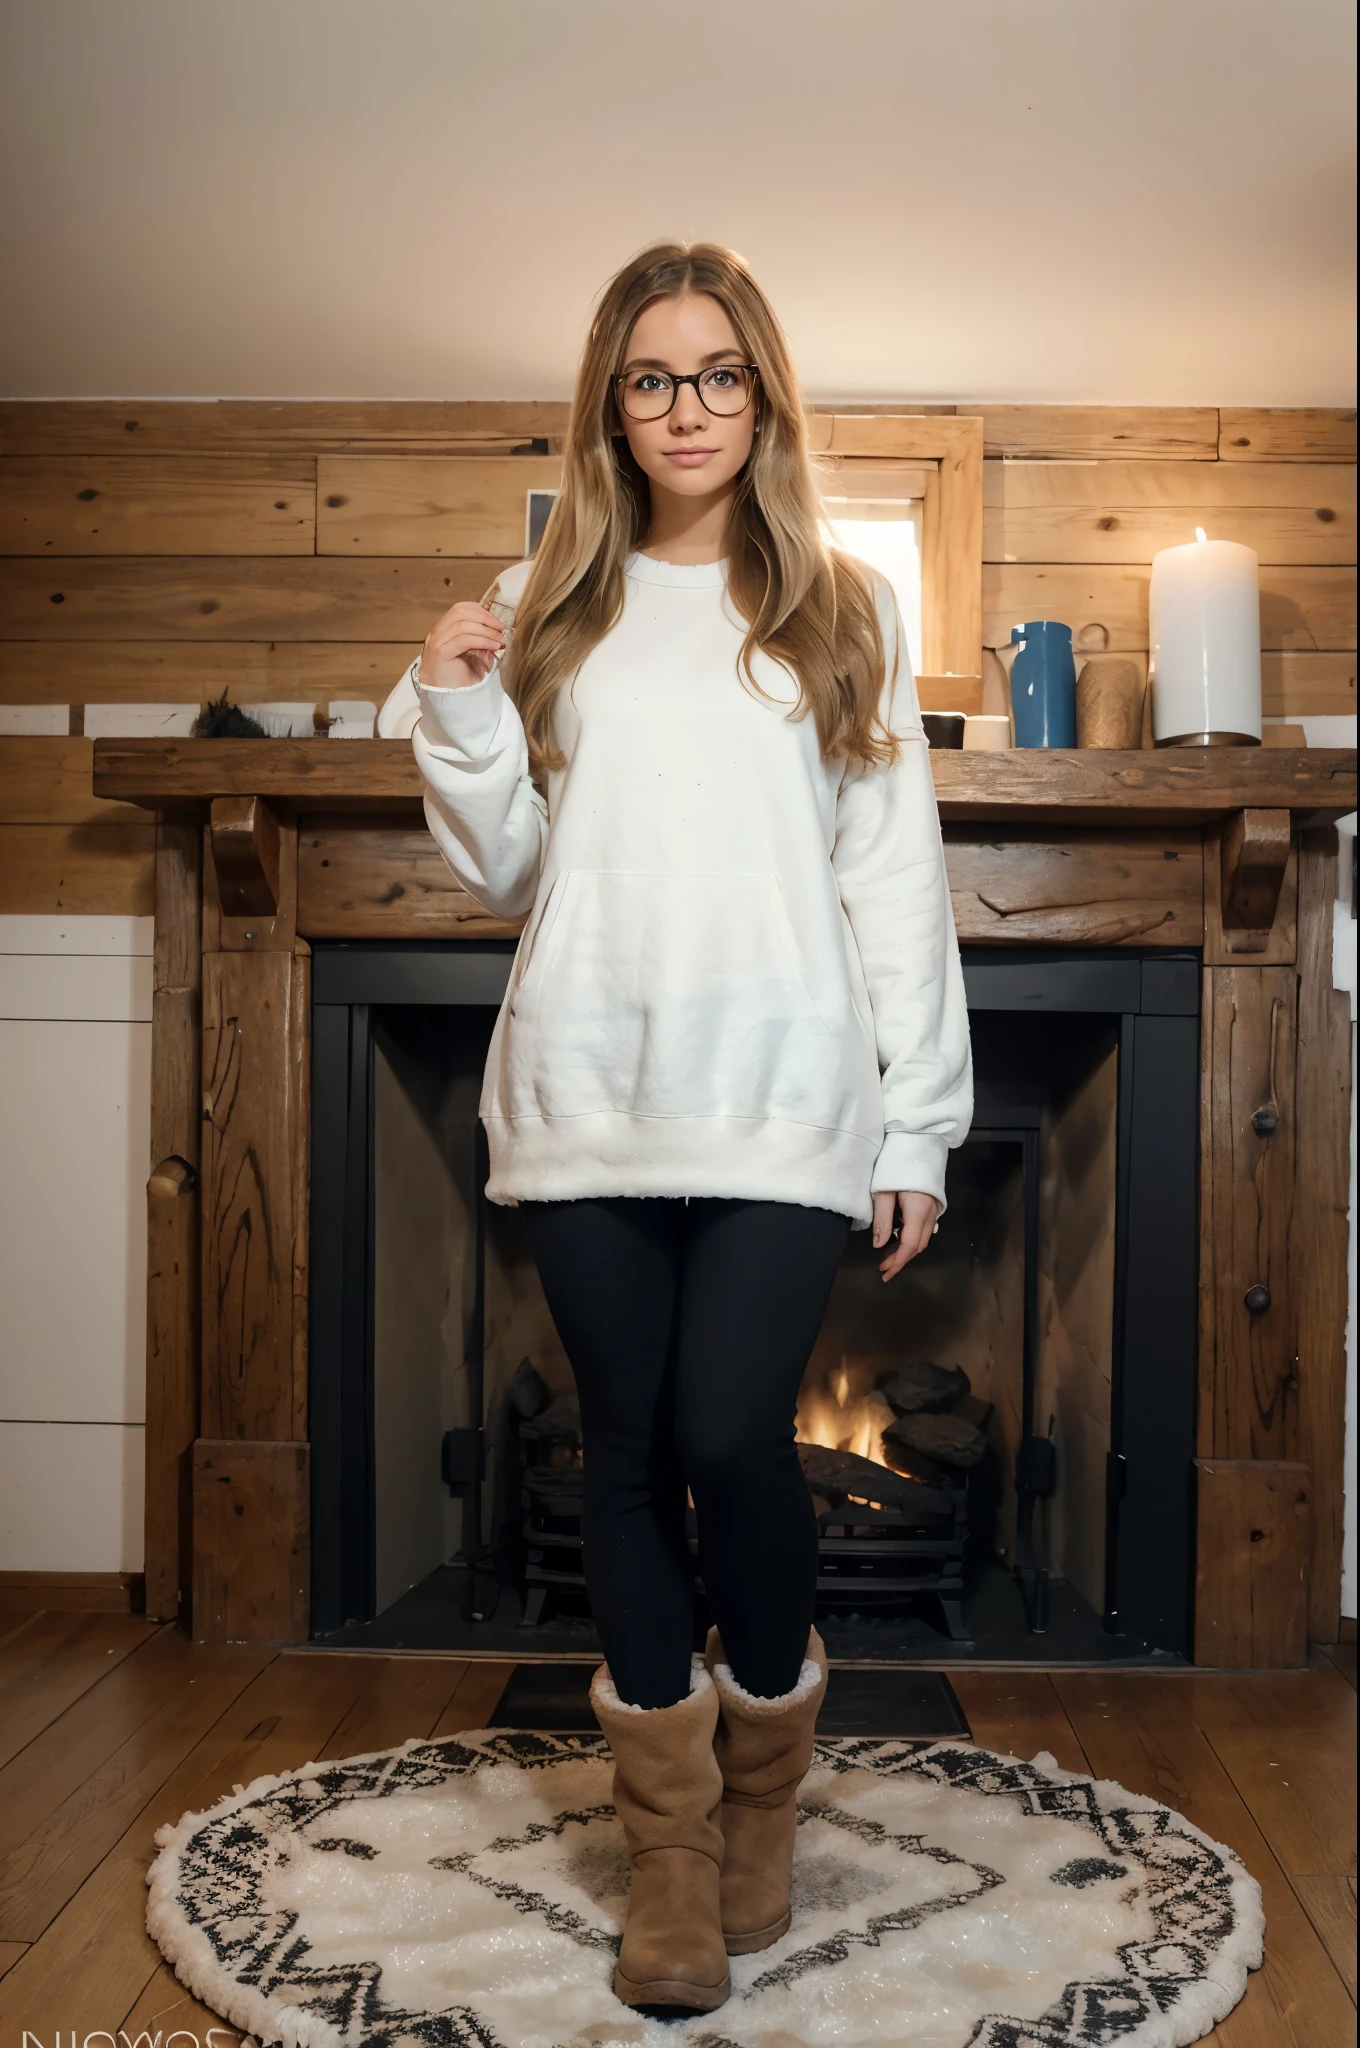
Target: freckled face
691	451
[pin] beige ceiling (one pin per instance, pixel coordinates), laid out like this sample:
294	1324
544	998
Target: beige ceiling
1124	200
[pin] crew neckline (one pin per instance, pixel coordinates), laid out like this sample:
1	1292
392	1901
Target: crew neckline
678	575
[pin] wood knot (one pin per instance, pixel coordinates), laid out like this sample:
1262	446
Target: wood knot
172	1178
1326	514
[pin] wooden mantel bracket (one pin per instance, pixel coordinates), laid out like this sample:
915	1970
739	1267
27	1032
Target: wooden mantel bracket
1254	855
245	844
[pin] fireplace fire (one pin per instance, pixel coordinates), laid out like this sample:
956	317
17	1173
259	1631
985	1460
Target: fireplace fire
884	1534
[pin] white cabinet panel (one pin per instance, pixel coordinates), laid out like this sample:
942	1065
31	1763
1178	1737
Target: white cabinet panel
70	1497
84	987
22	933
75	1121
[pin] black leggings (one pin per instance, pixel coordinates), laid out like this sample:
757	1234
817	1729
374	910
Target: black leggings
688	1325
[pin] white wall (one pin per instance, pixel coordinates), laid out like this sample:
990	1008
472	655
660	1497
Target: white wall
1140	201
75	1087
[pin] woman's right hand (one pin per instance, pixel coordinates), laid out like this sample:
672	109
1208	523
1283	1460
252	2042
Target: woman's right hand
462	648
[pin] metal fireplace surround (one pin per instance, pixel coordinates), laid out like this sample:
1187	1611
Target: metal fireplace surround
1153	1000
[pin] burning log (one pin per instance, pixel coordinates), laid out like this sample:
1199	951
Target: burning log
529	1394
946	1437
560	1420
915	1464
840	1476
556	1486
924	1388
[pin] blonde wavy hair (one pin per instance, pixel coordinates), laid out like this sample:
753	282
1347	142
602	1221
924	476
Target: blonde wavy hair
805	604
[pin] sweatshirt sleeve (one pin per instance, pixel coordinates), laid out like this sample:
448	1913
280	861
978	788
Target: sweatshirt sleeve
484	813
889	863
488	820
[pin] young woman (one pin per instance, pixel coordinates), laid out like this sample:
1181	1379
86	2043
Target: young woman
685	740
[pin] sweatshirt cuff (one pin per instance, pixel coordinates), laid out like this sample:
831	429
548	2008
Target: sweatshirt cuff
911	1162
468	718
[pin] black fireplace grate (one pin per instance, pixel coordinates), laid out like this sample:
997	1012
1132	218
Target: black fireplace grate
870	1554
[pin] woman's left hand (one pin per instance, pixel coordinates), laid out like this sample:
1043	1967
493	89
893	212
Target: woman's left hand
919	1214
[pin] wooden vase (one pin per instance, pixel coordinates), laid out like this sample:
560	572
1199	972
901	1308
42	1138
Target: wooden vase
1110	702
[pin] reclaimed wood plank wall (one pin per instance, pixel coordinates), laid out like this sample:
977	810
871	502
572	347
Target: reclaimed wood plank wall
165	553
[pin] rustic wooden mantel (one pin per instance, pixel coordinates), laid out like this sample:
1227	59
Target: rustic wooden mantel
265	845
1163	786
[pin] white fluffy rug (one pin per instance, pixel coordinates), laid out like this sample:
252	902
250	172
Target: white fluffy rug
471	1891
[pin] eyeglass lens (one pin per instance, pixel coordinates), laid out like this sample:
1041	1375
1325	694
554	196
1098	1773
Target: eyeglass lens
650	394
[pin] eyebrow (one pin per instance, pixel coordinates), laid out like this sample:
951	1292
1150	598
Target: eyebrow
719	355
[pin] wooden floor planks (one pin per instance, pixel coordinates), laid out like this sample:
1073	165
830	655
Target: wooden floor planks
1145	1732
401	1697
13	1619
472	1706
166	2008
112	1728
1018	1713
51	1661
56	1855
1329	1903
74	1745
1342	1655
96	1954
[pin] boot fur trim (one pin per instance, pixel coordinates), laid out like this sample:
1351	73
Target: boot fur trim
809	1678
603	1692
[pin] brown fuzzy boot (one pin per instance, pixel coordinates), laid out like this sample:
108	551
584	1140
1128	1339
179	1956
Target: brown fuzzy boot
763	1747
667	1790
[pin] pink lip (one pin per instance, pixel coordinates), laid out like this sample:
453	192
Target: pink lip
689	456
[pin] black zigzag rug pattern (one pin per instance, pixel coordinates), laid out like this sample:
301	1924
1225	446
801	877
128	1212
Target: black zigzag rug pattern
469	1893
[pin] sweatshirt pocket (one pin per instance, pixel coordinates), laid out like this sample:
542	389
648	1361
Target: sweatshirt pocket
534	940
675	995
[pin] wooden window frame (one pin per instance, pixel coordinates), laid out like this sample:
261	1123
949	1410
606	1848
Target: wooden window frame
951	538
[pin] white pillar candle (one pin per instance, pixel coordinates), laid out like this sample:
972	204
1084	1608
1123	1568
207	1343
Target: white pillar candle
986	733
1205	620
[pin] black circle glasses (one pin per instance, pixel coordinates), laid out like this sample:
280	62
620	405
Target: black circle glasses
725	390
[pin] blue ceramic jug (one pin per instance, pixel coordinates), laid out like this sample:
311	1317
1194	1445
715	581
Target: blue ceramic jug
1044	685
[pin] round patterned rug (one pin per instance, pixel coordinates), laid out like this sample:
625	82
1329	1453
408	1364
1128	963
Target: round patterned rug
469	1894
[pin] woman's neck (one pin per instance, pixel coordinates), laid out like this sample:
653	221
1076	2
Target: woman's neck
687	531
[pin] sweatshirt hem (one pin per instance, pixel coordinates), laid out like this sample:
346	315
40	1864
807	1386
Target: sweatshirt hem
610	1153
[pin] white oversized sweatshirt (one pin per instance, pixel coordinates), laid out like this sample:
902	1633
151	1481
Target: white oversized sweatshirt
739	974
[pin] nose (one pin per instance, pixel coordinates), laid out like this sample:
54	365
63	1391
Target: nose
687	414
